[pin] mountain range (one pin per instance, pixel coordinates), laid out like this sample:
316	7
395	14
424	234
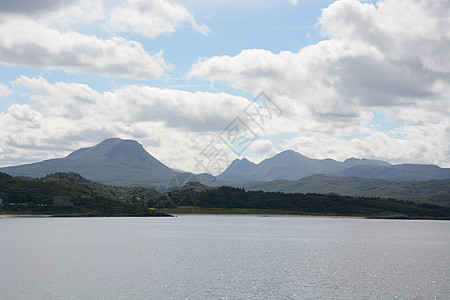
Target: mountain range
126	162
291	165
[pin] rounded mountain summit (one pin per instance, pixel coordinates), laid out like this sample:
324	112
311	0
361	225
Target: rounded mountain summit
113	161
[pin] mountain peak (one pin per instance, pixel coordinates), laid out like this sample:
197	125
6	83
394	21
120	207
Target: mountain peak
290	154
246	161
352	161
127	152
238	166
287	157
286	152
113	160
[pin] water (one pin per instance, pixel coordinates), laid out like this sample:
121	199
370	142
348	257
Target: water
223	257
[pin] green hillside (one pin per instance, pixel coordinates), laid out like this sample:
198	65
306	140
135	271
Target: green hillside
435	191
34	196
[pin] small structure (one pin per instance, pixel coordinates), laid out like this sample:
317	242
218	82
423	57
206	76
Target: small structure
61	201
1	200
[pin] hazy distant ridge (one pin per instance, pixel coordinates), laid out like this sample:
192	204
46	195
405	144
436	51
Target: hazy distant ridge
291	165
117	161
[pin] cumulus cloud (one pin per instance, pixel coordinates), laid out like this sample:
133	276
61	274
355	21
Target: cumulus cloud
392	56
65	116
41	36
264	147
27	43
199	111
151	18
421	144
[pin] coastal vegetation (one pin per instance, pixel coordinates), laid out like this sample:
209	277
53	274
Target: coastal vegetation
24	195
195	198
433	191
34	196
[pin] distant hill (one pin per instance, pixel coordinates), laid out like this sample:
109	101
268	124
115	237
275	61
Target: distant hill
34	196
434	191
398	172
113	161
291	165
124	194
236	200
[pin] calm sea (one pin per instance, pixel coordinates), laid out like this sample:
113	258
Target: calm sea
223	257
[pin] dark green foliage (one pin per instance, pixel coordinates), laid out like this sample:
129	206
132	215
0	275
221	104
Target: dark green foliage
21	195
231	197
133	195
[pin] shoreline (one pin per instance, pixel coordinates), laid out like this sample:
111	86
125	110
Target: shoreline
176	215
265	215
7	216
209	214
389	217
24	216
316	216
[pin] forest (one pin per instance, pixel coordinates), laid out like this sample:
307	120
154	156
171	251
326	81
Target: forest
317	204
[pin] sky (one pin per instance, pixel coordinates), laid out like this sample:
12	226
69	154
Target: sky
200	83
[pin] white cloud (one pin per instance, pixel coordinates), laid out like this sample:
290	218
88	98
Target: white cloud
199	111
151	18
264	147
392	56
44	36
27	43
419	144
5	91
393	27
294	2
